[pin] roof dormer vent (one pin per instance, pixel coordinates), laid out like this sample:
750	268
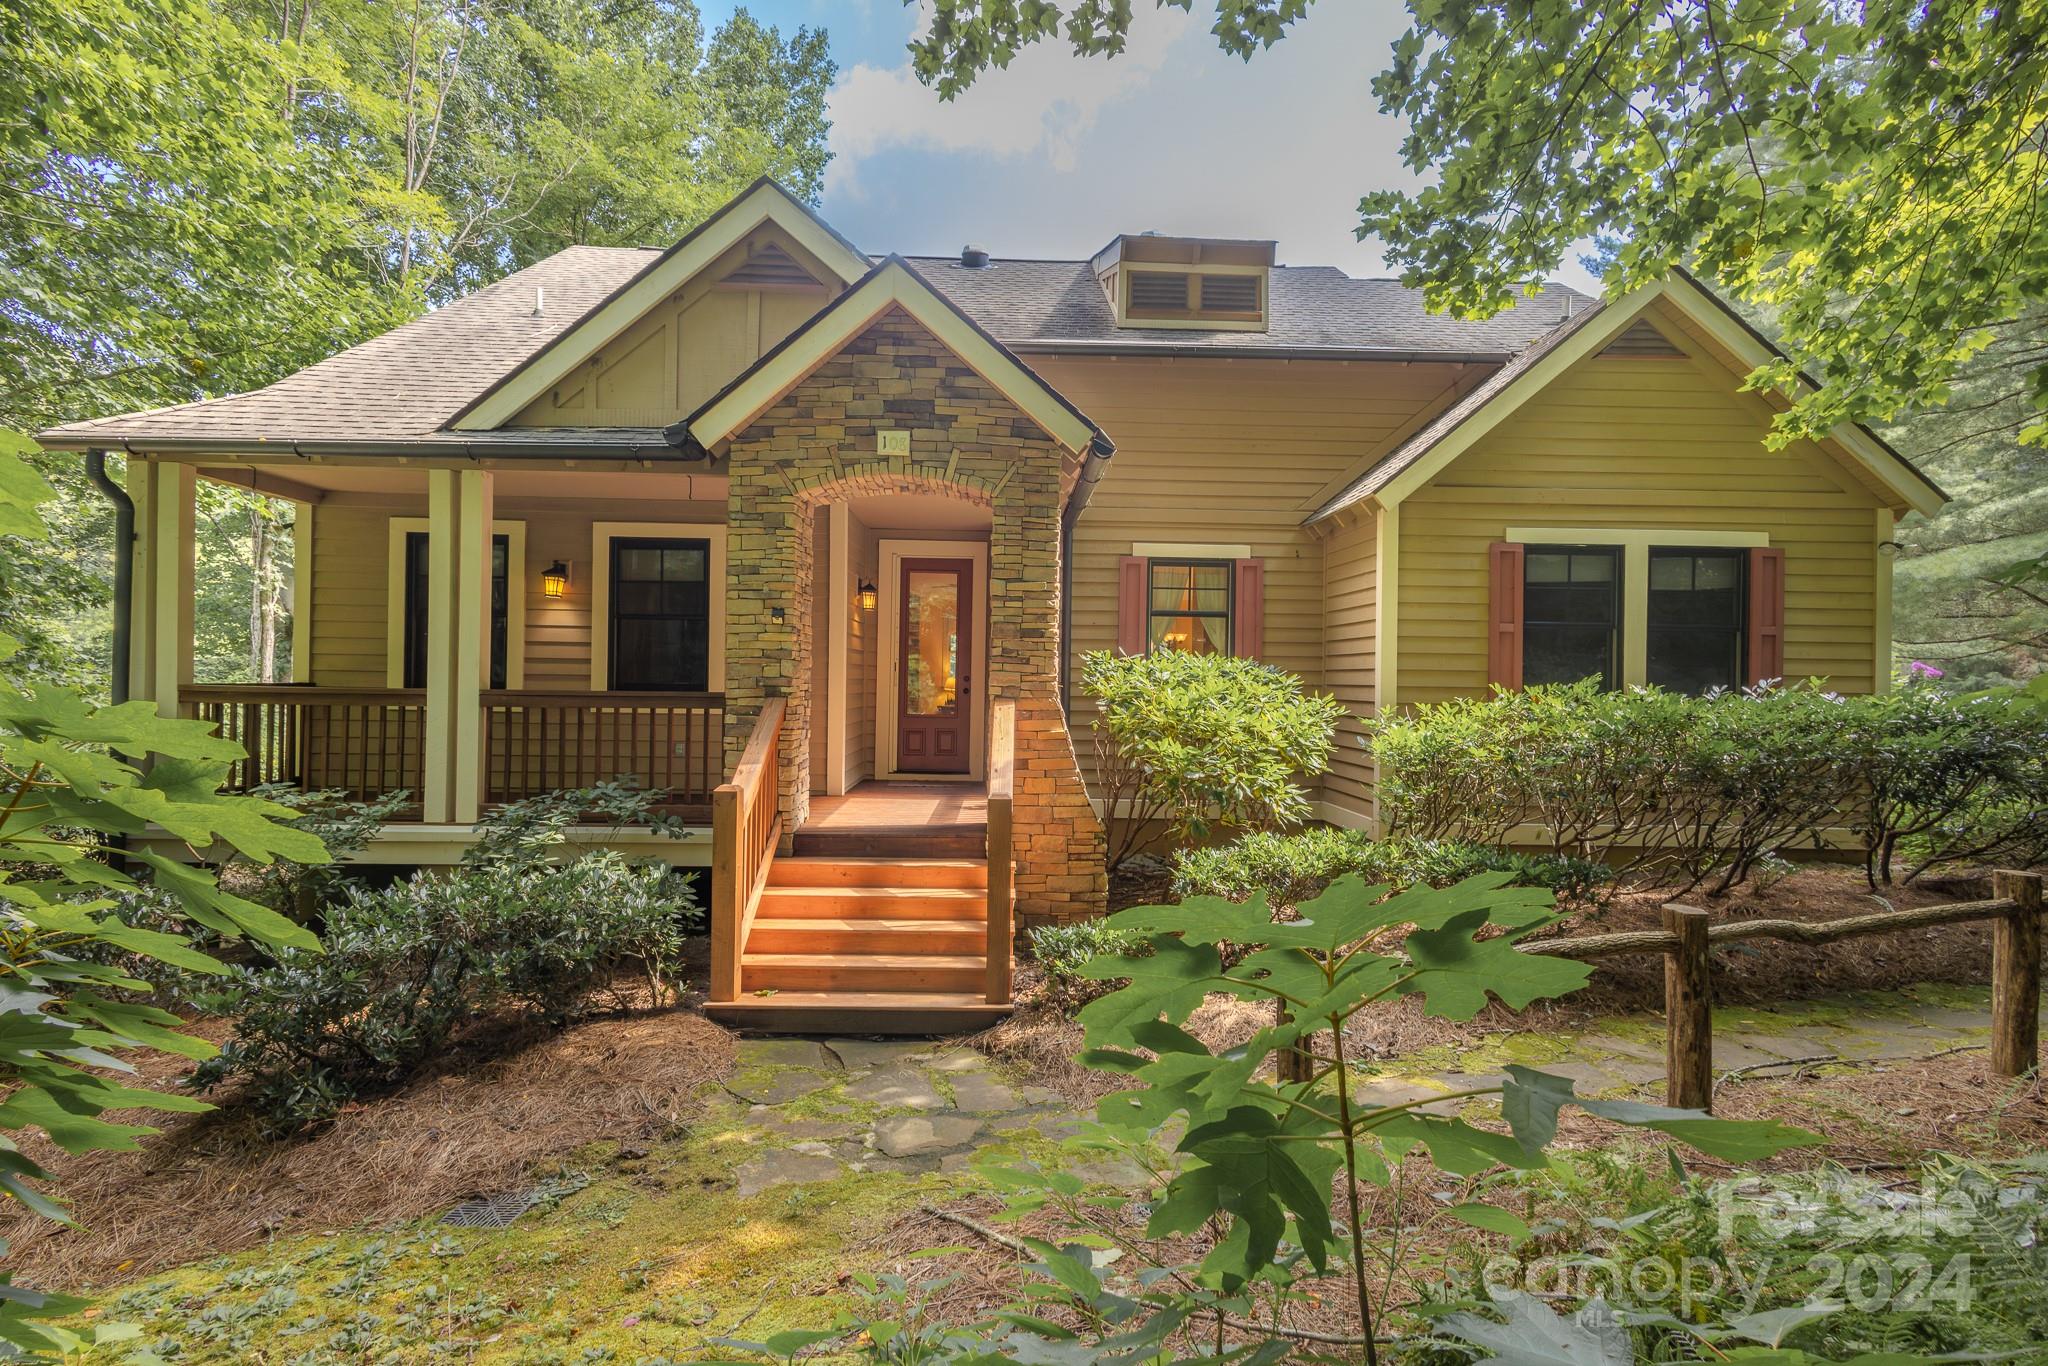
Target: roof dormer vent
1212	284
973	257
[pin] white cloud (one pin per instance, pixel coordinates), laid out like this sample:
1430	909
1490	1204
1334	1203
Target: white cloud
1043	105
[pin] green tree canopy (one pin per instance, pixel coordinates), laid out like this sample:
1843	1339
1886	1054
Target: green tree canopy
197	199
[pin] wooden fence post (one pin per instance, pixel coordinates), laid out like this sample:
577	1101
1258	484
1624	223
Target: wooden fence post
2016	976
1688	1021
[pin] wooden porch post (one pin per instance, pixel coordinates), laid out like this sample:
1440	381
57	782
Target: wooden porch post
458	642
162	662
302	592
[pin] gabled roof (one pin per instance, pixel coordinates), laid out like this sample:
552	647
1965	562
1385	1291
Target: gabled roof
764	201
401	388
1418	459
891	284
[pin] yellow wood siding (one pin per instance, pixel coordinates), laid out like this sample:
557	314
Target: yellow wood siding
1232	452
351	603
1351	654
1633	443
351	548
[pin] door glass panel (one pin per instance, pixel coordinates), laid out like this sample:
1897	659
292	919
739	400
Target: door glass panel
931	638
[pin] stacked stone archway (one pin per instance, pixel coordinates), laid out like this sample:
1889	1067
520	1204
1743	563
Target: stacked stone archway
816	446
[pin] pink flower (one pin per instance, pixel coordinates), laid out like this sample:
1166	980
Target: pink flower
1920	668
630	1321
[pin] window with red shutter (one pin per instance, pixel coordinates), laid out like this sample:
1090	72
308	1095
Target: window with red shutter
1248	609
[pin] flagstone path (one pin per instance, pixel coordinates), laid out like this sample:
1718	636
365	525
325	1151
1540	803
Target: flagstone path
813	1110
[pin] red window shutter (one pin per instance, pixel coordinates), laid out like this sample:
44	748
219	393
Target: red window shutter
1130	605
1766	615
1248	608
1504	615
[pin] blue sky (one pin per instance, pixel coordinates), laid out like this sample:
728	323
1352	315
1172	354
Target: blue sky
1058	154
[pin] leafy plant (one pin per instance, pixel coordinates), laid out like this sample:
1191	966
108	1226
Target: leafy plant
410	965
1186	744
1292	867
74	777
1062	950
536	830
1253	1164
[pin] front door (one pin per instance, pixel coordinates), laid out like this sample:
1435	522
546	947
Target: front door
934	699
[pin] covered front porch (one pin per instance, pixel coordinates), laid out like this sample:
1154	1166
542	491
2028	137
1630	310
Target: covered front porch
461	637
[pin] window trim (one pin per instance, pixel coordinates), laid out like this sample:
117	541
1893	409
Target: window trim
1635	543
602	534
516	587
610	624
1229	612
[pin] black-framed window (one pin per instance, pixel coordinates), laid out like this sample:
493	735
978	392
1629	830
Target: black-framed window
1697	626
1571	614
660	614
415	663
1187	606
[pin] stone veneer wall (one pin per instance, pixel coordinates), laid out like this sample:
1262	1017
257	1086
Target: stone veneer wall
815	447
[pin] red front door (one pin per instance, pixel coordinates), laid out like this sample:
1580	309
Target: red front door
934	694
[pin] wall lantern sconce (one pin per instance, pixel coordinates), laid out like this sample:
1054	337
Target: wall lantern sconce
554	580
867	596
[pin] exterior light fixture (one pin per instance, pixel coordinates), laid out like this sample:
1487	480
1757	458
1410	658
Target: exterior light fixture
867	596
554	580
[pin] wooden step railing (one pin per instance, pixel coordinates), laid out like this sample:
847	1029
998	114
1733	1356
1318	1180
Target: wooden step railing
746	827
537	742
1002	783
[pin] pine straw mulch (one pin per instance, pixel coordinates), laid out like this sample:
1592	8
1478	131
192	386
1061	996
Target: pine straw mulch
498	1106
1882	1120
1043	1036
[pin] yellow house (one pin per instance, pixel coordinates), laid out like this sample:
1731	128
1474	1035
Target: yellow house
811	540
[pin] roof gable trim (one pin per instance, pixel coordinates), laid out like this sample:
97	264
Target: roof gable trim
893	283
764	202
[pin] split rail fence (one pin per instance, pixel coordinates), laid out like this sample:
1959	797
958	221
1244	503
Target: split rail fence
1687	940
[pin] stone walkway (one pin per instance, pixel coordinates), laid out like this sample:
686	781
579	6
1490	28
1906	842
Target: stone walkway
815	1110
1627	1053
821	1108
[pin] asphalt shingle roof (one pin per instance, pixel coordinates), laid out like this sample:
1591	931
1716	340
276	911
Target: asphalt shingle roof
1036	304
407	386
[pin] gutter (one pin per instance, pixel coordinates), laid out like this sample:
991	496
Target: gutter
124	567
1092	469
654	449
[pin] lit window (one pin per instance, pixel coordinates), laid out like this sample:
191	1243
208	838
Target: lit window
1188	606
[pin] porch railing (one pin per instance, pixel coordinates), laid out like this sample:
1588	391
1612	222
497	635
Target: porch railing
1002	782
537	742
746	827
371	742
364	742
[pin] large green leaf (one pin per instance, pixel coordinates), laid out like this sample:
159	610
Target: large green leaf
1530	1101
223	911
1170	981
1252	1170
1455	972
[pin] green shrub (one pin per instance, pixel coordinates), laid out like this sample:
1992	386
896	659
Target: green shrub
408	966
1687	789
1296	867
1062	949
1187	744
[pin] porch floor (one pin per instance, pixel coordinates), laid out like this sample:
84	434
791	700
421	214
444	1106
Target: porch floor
890	806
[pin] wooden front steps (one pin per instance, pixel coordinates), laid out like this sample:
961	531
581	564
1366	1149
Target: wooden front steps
868	945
